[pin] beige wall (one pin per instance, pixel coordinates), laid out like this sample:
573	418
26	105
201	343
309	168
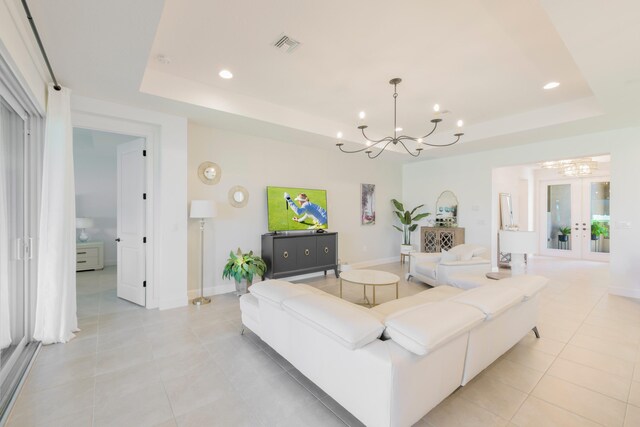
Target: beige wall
256	163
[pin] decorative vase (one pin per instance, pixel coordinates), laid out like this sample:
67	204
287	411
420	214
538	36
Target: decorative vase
594	236
563	238
242	286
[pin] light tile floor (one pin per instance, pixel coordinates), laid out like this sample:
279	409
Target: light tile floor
190	367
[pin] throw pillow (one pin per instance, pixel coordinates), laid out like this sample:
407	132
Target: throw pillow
448	256
464	252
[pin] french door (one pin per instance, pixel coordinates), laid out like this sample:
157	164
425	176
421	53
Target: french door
575	218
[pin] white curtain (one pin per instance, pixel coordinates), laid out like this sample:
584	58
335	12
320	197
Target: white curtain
5	317
56	318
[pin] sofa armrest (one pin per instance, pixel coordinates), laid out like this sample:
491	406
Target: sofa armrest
473	266
425	256
472	261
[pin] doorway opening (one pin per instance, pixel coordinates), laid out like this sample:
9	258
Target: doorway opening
111	209
568	207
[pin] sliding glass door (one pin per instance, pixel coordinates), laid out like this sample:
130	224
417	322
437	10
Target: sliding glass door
13	252
575	218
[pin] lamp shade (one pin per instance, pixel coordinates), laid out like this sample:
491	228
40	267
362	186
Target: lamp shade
203	209
84	222
518	242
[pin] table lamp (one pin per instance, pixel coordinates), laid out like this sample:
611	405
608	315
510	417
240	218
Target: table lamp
202	210
83	224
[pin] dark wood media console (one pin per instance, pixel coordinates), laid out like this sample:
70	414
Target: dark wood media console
294	254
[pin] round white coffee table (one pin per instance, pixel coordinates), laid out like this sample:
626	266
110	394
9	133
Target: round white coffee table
371	278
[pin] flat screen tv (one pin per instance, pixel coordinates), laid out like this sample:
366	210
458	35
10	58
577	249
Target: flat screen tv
293	208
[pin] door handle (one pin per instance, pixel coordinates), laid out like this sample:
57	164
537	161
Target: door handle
118	239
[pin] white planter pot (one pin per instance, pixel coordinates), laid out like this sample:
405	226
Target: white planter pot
405	249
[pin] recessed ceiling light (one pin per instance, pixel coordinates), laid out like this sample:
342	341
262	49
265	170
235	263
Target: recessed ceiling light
398	129
436	108
339	135
551	85
362	115
226	74
460	123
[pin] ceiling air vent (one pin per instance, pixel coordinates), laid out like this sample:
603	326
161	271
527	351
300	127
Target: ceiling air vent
286	44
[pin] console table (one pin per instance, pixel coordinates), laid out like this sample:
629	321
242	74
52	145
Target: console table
295	254
437	239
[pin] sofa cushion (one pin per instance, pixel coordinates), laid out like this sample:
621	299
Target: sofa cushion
426	269
276	291
249	306
438	293
347	323
449	256
428	326
397	306
491	299
530	285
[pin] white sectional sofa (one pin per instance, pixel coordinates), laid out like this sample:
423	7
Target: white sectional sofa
391	364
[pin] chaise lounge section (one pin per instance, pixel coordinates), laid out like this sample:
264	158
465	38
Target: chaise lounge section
392	364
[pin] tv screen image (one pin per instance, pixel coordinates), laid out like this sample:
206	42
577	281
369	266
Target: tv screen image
293	208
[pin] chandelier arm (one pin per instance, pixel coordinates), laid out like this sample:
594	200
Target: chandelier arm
458	135
408	151
380	152
364	148
435	125
386	138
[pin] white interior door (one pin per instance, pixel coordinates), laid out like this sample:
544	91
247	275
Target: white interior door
131	222
596	217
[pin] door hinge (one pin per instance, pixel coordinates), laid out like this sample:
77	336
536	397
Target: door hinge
144	240
144	153
144	196
144	284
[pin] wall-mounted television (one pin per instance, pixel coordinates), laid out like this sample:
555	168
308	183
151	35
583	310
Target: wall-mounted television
294	208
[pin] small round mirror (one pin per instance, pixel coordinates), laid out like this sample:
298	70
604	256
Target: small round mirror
209	173
238	196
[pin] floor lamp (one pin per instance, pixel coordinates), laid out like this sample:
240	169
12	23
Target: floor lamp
202	209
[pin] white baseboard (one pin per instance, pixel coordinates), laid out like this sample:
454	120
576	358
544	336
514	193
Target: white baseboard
624	292
213	290
172	303
372	262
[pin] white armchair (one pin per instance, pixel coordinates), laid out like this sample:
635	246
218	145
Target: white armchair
431	269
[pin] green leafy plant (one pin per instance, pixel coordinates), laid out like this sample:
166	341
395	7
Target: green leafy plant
243	266
565	231
598	229
407	220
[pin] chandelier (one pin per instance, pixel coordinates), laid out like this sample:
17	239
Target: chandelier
395	139
572	167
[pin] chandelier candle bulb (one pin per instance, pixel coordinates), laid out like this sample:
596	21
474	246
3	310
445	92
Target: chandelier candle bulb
436	108
396	139
460	123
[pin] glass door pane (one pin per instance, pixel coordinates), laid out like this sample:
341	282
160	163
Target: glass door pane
596	208
558	230
12	231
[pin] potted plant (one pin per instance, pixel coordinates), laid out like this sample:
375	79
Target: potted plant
564	234
408	222
598	229
243	266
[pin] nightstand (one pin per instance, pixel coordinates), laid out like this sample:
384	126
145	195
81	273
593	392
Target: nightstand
89	256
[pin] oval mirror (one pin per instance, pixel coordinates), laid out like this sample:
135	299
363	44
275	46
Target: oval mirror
209	173
238	196
447	210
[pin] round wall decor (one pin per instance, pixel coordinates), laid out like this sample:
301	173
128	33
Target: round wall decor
209	173
238	196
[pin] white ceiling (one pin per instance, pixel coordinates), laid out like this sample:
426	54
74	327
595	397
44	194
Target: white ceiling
484	60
